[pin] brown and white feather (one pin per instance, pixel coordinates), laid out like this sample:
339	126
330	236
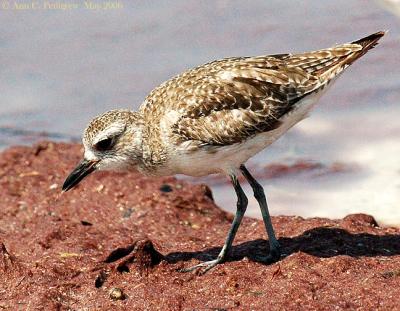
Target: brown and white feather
214	117
229	100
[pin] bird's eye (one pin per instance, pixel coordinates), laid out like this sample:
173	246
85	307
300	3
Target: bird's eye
105	144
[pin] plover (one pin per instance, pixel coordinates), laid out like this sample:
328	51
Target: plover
213	118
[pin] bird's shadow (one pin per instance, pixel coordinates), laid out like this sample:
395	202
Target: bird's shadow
320	242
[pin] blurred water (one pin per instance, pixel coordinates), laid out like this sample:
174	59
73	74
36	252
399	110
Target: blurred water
59	68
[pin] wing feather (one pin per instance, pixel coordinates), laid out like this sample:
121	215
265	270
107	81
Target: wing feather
238	102
227	101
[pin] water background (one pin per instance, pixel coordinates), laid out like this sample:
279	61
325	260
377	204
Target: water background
60	67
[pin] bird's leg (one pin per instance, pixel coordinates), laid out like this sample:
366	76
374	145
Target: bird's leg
240	210
274	247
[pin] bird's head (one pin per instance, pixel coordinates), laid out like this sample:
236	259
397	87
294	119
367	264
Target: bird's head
112	142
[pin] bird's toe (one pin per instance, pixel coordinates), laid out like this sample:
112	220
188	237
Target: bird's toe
203	267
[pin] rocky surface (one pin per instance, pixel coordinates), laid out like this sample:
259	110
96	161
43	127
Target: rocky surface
118	240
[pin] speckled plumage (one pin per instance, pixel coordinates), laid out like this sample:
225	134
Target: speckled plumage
213	118
227	102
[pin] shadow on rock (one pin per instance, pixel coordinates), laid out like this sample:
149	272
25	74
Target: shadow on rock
320	242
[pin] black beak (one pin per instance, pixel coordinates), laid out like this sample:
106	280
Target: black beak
83	169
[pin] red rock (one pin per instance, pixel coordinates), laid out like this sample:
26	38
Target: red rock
121	232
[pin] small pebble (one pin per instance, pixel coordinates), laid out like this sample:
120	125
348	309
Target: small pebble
99	188
117	294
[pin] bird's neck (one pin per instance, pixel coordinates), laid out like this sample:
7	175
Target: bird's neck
150	146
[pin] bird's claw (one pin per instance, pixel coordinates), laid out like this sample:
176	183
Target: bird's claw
273	256
207	264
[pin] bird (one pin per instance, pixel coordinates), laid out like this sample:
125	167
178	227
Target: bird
212	118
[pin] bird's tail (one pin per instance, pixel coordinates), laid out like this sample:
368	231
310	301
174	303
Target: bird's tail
340	57
366	43
324	66
328	63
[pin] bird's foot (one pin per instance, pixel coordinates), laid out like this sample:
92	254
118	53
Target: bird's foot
208	265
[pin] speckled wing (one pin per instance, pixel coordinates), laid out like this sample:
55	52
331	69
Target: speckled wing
240	100
230	100
247	98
